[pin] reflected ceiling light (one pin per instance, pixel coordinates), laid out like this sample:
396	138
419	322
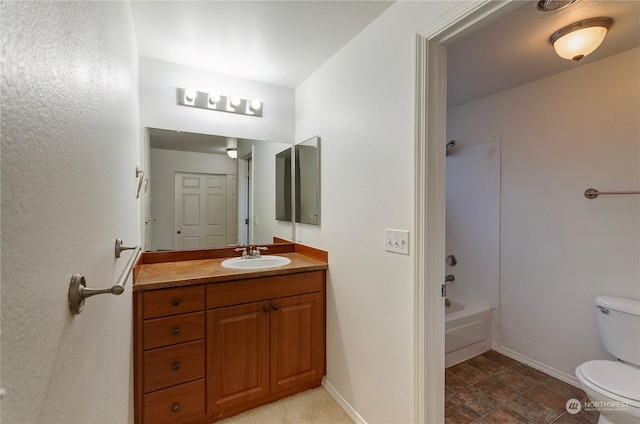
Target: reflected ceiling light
233	153
580	39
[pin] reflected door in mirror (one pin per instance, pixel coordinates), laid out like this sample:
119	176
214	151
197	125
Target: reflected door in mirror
200	211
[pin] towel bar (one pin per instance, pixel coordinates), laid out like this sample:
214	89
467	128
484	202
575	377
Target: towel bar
592	193
78	290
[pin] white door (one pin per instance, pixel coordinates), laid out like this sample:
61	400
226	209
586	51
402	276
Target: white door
200	211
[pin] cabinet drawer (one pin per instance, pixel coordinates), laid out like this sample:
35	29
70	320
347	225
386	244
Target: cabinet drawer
174	329
172	365
179	404
263	288
160	303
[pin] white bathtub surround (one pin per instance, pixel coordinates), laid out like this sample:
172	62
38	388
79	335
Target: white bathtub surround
473	237
473	221
467	331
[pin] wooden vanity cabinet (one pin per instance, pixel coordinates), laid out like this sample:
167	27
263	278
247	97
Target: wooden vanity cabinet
169	355
265	340
206	352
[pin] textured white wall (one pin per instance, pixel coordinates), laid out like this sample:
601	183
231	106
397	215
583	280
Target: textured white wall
361	104
159	109
70	139
561	135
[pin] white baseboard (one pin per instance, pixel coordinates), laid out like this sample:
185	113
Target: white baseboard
342	402
569	379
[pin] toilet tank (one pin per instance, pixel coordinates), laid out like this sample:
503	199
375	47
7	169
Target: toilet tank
619	327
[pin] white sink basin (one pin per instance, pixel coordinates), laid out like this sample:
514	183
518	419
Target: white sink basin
256	263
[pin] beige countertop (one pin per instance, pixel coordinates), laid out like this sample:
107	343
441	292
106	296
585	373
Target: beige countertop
202	271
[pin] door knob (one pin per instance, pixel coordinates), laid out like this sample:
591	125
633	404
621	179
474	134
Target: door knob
179	232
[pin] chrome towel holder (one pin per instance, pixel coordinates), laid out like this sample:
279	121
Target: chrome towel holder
592	193
78	290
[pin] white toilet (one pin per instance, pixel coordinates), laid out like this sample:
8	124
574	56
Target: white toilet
613	387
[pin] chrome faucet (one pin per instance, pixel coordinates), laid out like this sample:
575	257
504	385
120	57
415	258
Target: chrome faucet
255	253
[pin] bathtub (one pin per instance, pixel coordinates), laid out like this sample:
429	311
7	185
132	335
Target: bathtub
467	331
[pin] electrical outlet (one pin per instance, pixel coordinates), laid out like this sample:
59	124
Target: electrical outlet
396	241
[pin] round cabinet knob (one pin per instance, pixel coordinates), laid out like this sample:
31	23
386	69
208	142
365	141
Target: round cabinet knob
176	407
275	307
265	309
175	331
175	302
175	366
179	232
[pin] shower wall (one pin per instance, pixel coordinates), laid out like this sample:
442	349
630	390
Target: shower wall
473	222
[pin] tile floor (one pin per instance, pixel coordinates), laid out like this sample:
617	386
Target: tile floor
493	388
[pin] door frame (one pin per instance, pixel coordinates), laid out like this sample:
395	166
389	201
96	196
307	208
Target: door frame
430	194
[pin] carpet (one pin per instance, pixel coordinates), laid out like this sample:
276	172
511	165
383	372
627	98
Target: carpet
314	406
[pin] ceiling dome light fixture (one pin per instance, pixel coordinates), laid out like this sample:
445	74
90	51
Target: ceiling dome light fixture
580	39
233	153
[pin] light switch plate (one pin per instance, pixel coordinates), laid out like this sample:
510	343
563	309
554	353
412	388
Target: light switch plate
396	241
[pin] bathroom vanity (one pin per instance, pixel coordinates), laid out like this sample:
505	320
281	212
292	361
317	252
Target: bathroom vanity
210	342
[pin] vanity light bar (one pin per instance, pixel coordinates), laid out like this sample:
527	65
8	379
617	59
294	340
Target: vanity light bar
214	101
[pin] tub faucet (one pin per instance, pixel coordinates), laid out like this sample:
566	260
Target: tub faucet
449	277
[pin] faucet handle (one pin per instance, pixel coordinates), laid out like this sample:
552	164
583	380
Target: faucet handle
257	250
244	251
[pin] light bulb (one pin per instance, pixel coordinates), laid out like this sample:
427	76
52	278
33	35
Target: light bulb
190	94
213	99
235	102
255	105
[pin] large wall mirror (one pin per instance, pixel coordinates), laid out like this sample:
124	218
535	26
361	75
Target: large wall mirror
199	197
307	181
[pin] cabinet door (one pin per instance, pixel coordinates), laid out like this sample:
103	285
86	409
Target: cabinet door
238	355
297	341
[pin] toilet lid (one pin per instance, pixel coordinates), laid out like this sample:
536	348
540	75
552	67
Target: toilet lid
615	377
